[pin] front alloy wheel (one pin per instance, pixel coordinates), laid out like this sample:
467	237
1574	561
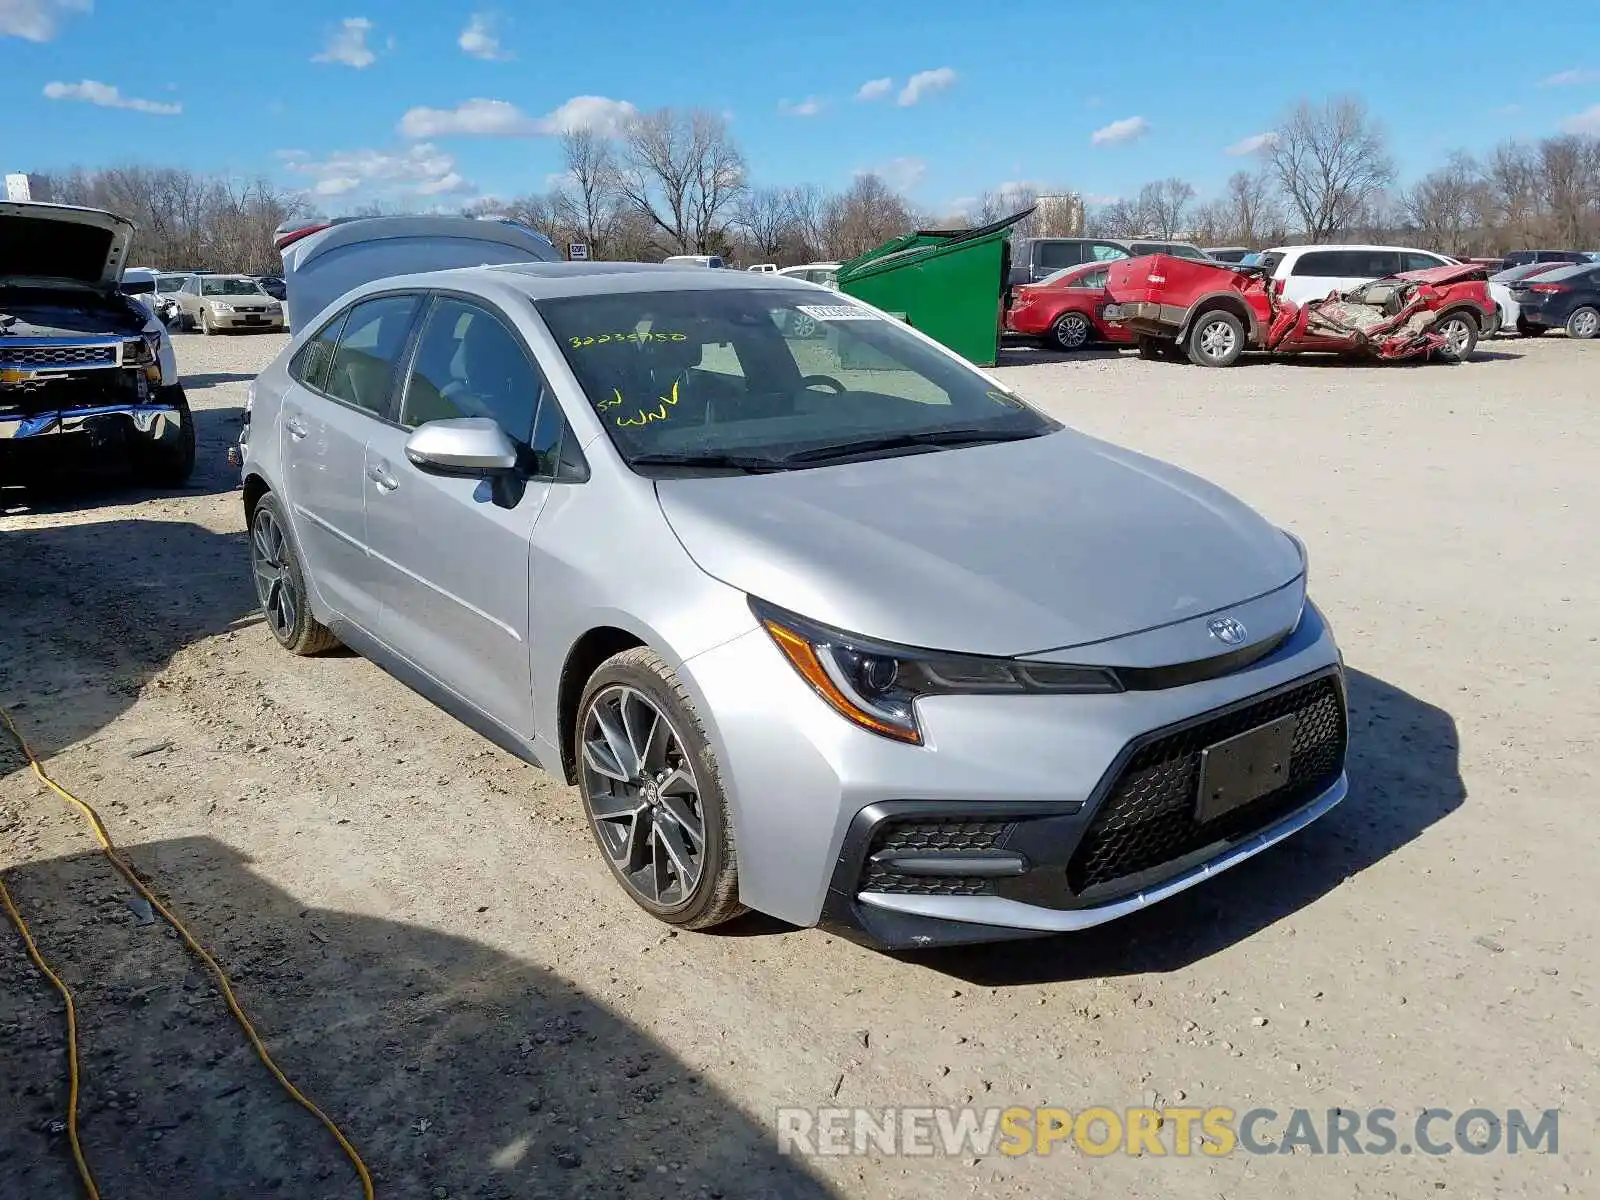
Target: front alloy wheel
652	793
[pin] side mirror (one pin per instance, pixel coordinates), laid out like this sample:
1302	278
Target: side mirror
469	447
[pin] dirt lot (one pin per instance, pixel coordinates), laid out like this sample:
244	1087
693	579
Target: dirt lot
432	947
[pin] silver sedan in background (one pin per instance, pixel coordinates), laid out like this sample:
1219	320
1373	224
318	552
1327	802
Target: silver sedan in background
834	627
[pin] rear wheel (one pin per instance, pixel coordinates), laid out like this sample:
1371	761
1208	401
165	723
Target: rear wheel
1216	339
1584	323
653	793
1071	331
1460	334
281	584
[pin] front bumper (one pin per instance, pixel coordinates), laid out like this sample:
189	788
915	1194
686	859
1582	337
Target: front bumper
1003	824
263	321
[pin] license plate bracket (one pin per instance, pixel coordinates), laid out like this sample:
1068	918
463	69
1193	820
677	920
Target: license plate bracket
1243	768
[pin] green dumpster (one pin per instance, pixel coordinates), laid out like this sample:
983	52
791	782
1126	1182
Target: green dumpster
949	283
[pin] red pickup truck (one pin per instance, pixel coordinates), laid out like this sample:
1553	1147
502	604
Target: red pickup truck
1213	312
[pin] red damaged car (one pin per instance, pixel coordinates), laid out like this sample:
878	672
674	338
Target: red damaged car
1067	309
1213	312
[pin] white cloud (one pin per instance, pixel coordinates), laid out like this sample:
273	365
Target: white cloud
902	174
1587	122
875	89
420	170
1128	129
1253	144
348	44
501	118
924	84
1569	78
480	40
91	92
809	107
37	20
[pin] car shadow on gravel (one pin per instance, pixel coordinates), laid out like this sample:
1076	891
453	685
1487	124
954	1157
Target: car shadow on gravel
199	382
111	481
95	610
1405	776
1036	356
455	1070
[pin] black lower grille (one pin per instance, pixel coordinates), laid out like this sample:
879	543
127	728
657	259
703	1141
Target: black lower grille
931	836
1148	818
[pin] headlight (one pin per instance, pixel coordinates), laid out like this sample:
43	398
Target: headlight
139	351
221	306
877	685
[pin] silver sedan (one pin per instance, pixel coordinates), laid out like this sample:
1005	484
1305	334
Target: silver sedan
834	627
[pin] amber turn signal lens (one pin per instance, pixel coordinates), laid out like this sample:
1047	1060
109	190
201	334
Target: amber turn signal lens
804	659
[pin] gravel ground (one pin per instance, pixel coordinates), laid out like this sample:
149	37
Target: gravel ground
431	946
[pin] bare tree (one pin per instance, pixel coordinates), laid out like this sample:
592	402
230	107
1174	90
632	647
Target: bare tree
1005	202
1330	160
764	216
1444	205
587	200
864	217
1164	205
681	172
1569	169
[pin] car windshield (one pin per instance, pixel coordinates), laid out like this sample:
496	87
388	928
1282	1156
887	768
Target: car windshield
768	378
223	286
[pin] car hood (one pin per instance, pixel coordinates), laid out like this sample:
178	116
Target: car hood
55	244
1007	549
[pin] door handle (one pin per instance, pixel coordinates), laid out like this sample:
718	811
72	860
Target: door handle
296	427
379	475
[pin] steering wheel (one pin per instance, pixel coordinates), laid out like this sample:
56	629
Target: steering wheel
811	381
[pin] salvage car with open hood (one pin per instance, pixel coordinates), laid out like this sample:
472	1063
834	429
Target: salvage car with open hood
86	372
1212	312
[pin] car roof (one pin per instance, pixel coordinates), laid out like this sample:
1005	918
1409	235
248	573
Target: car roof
1347	246
557	280
1569	271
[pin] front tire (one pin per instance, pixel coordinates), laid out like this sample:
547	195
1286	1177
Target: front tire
170	465
1584	323
652	791
1216	339
281	583
205	323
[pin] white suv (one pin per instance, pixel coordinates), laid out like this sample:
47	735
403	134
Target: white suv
1302	273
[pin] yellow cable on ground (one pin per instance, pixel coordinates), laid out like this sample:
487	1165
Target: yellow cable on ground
199	951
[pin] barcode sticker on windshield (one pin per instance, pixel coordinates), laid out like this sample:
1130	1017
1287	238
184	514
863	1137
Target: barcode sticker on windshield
837	312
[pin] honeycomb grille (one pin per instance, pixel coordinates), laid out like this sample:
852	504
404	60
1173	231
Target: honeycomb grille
58	356
1148	818
931	836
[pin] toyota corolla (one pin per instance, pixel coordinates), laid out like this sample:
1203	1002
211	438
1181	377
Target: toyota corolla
838	628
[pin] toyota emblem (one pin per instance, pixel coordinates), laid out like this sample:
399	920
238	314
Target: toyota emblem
1227	631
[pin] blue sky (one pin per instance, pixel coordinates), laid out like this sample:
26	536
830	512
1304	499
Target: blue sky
432	102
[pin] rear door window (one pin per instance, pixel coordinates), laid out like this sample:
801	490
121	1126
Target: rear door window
1106	252
363	367
1093	279
1320	264
310	364
1052	256
1417	261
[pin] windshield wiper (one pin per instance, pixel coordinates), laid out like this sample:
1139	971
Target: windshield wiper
903	441
732	462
